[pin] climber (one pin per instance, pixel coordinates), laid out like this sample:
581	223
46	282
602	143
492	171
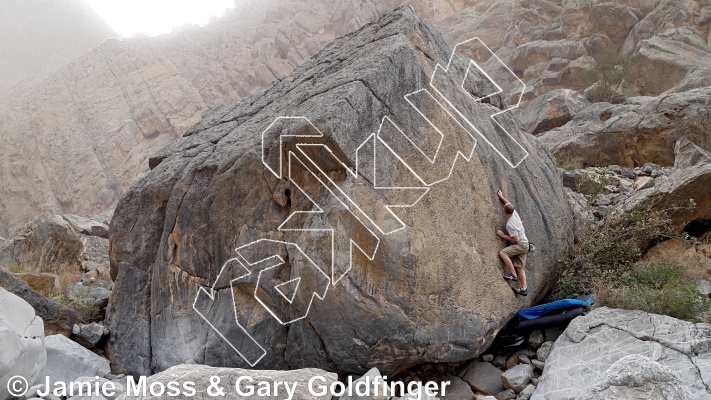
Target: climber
518	249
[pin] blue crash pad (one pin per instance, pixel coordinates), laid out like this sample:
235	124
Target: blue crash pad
543	309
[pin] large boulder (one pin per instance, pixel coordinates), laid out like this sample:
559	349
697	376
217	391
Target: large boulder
203	376
22	337
87	226
58	318
674	192
687	154
67	361
552	110
620	354
641	130
433	290
49	244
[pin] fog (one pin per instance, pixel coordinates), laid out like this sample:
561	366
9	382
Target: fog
156	17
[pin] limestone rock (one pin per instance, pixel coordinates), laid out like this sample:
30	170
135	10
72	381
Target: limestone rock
119	388
49	244
637	376
67	361
687	154
483	377
543	351
89	335
457	389
201	374
58	319
168	241
22	337
527	392
552	110
368	379
611	354
641	130
676	191
508	394
87	226
518	377
643	182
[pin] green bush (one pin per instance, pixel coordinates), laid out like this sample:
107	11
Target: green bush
660	288
606	250
21	268
568	163
83	305
610	69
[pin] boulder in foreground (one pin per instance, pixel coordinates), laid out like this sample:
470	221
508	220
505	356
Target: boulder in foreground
619	354
22	349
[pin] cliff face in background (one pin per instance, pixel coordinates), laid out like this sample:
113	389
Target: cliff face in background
77	140
37	37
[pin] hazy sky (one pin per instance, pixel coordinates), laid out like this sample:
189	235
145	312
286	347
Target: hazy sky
155	17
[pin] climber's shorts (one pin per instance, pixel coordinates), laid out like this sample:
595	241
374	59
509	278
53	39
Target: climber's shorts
517	253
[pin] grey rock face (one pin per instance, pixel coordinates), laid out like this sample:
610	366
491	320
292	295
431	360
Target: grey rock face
590	360
483	377
518	377
87	226
552	110
201	375
602	133
676	190
22	336
67	361
190	226
57	317
687	154
637	376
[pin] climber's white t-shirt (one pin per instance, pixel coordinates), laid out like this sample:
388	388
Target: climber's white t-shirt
515	227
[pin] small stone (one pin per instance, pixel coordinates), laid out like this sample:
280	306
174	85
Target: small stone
518	377
488	357
508	394
620	198
704	287
602	210
628	173
538	364
536	339
643	182
535	381
603	200
499	362
524	359
76	329
90	335
526	393
544	351
483	377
